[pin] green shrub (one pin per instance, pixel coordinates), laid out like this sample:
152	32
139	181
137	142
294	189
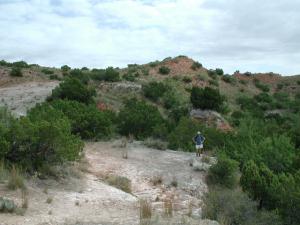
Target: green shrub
88	121
73	89
129	77
7	205
78	74
65	68
177	112
138	118
54	77
109	74
42	137
181	136
224	173
154	64
171	99
164	70
244	82
145	71
16	72
212	74
196	65
236	116
20	64
233	207
47	71
154	90
201	77
85	68
187	79
219	72
280	86
206	98
214	83
262	87
263	98
4	63
229	79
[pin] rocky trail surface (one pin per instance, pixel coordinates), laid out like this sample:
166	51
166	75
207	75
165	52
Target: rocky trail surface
88	200
18	98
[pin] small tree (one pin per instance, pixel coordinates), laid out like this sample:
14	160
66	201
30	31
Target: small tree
196	65
164	70
154	90
73	89
139	118
225	172
219	71
65	68
207	98
16	72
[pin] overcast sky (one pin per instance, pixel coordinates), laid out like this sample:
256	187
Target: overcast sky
245	35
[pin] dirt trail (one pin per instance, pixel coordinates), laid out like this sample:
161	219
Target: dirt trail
88	200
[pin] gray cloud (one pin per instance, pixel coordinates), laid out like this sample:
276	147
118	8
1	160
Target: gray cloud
248	35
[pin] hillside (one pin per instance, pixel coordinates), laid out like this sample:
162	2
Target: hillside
117	145
184	73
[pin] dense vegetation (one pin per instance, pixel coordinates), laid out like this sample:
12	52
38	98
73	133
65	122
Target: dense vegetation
207	98
266	148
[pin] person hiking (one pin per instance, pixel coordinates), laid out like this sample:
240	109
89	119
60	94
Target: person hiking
199	140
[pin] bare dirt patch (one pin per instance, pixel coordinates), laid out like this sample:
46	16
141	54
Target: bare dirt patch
88	199
21	97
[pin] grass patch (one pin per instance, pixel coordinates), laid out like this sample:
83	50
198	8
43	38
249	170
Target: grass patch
49	200
157	180
145	209
15	179
4	174
25	201
168	207
174	182
122	183
156	144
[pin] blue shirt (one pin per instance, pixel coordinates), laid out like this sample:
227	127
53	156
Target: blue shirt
199	139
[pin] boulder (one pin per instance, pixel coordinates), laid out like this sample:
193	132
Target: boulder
211	118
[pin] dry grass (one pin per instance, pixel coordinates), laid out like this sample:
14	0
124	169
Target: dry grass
122	183
205	159
156	144
145	209
45	190
124	142
157	180
168	207
4	174
15	179
190	209
125	153
174	182
25	201
49	200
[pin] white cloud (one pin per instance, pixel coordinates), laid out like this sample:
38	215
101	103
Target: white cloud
246	35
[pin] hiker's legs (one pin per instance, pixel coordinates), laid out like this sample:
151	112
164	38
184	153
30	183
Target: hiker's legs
197	151
201	150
